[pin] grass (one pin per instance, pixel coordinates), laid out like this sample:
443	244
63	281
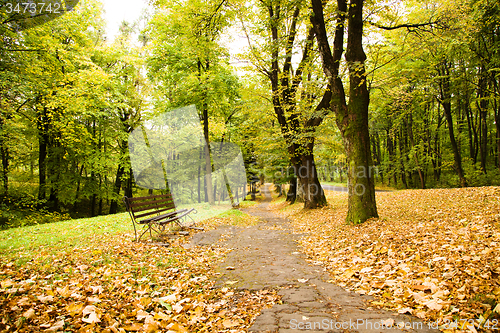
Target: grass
62	234
78	232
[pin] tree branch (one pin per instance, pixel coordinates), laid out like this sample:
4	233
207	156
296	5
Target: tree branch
409	26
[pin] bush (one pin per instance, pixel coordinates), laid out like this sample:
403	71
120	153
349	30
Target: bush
24	210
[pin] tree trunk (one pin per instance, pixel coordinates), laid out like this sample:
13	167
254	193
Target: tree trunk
208	163
310	187
471	134
43	140
497	125
291	195
352	119
4	152
298	136
390	151
445	100
113	207
482	105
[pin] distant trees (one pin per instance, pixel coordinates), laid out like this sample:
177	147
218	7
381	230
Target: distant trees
435	97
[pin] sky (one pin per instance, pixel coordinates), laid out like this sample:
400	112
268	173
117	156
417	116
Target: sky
118	10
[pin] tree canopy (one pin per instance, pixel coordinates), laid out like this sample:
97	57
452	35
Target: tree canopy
361	93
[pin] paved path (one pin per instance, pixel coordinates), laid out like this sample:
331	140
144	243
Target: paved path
267	256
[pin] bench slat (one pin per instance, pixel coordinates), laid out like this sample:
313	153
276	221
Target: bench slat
176	217
160	217
149	197
154	203
152	212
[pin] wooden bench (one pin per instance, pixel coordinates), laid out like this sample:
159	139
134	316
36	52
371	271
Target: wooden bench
155	212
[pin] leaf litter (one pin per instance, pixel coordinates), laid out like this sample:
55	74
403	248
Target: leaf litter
115	285
433	253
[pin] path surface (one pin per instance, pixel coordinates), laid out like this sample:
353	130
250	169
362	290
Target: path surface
267	256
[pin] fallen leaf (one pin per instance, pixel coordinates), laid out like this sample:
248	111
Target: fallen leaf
45	299
58	326
29	314
388	322
92	318
228	323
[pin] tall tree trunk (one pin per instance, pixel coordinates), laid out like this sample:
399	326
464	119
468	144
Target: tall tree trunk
113	206
445	100
352	119
298	136
43	141
208	162
199	175
482	105
312	192
497	125
4	152
291	195
471	130
415	154
390	151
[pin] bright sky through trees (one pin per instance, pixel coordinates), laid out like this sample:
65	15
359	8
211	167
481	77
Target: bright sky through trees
117	11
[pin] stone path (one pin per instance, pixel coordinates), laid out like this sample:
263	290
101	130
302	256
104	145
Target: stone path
267	256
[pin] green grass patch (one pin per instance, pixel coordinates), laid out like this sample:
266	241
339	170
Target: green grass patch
62	234
247	204
71	233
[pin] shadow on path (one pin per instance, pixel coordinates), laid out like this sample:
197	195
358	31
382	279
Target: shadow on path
267	256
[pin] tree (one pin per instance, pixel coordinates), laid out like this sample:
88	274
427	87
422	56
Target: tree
294	91
189	67
352	117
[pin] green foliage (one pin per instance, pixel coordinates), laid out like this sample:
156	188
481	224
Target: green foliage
409	70
26	210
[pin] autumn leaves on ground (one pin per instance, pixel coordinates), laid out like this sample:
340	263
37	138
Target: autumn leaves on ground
433	253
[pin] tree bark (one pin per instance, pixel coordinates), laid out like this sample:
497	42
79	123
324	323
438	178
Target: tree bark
445	100
482	105
415	154
113	207
4	152
43	141
352	118
312	192
208	163
291	195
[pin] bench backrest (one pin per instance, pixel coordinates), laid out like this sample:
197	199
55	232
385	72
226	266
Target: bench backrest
150	205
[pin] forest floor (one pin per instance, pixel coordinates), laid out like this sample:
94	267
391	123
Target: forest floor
433	253
432	257
266	257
